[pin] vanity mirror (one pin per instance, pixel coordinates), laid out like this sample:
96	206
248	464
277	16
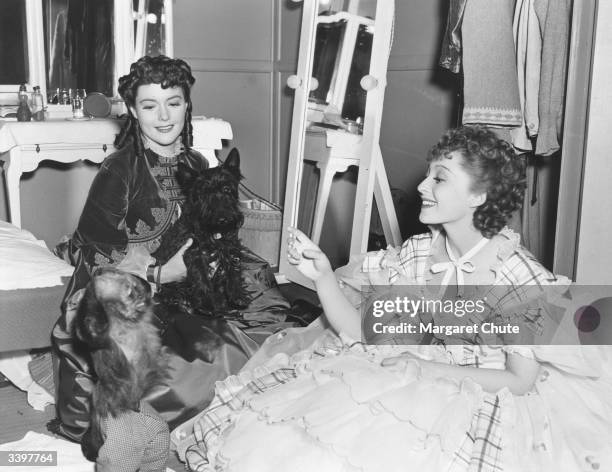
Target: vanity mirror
339	92
342	51
63	44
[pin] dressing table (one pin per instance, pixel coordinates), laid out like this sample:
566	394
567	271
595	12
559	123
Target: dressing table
333	151
24	145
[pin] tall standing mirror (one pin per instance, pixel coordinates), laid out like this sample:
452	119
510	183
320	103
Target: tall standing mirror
335	165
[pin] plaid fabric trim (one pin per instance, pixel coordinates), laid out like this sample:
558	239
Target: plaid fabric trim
373	261
482	449
230	397
468	355
414	255
522	278
412	259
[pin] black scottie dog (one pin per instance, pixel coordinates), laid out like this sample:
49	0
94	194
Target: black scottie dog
211	217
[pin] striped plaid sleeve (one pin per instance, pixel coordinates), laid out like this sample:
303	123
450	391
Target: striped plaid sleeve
523	280
522	268
409	262
413	256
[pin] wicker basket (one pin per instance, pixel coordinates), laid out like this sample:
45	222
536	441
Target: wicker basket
261	231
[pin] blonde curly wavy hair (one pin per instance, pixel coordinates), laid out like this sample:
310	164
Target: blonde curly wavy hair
495	169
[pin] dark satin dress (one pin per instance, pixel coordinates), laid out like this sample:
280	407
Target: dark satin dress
132	202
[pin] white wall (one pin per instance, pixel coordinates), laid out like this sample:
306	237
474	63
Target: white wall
230	47
52	199
594	252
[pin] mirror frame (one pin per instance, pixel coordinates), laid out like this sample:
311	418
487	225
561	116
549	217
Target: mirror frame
301	84
372	179
346	54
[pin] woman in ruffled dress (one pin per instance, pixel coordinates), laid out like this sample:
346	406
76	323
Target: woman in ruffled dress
461	402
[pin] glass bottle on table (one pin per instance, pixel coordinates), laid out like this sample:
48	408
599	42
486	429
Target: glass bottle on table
63	96
23	111
38	105
76	100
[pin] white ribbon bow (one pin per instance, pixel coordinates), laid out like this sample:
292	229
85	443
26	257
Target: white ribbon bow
457	266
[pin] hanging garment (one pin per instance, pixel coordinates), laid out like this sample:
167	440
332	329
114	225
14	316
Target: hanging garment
450	58
533	58
528	41
491	95
89	44
554	20
60	75
539	207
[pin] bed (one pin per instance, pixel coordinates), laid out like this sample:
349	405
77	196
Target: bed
27	317
31	289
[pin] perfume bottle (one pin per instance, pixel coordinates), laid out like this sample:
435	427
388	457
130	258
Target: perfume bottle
23	112
38	105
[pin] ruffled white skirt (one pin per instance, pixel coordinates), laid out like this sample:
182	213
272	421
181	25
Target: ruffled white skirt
343	411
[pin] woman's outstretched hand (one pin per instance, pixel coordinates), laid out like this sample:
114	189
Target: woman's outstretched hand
306	256
174	270
309	260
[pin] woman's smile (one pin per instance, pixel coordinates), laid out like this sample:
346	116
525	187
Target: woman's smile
164	129
427	203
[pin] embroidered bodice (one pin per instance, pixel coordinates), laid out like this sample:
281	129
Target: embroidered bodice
132	202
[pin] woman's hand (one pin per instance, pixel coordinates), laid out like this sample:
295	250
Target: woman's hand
309	260
136	262
306	256
174	270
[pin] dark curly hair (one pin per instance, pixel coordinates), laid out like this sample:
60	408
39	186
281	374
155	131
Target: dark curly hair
495	169
154	70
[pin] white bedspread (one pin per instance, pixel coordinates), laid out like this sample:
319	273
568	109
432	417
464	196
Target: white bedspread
69	455
25	262
14	366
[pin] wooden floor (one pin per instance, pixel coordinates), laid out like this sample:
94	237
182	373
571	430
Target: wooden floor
17	417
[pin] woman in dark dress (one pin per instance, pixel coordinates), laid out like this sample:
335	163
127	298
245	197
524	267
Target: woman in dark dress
133	200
